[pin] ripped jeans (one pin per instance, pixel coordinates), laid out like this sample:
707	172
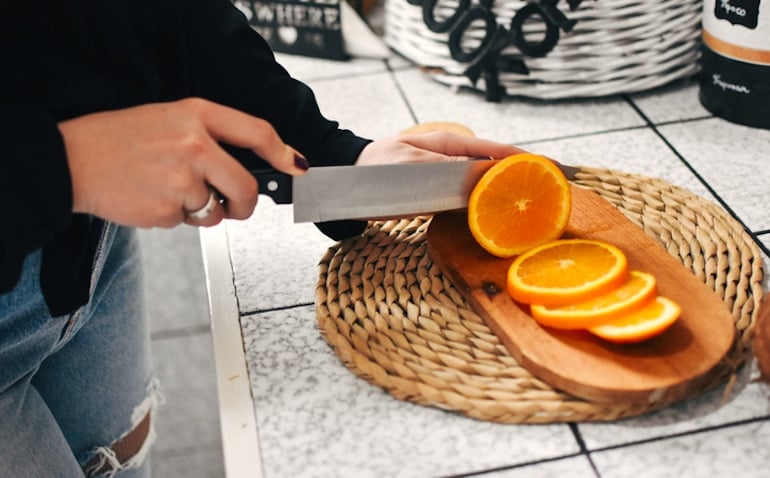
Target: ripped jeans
72	387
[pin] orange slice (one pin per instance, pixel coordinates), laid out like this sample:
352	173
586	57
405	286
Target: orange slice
635	293
566	271
521	202
643	324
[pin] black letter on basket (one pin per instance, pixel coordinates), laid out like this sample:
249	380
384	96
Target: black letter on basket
441	27
456	35
555	16
573	4
517	35
483	59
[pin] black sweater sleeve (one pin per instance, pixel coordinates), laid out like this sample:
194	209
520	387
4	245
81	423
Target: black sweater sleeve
35	186
65	58
35	193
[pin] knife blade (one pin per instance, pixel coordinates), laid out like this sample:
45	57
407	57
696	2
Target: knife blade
331	193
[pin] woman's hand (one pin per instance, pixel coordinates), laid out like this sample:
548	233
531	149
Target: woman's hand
433	146
149	165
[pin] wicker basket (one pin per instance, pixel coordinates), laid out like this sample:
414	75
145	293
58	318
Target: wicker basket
395	320
612	46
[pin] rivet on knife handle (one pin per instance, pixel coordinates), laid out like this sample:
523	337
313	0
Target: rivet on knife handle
274	184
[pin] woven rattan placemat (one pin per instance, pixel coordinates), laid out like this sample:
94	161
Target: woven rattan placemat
394	319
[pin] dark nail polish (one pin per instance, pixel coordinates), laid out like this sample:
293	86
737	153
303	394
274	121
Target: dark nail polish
301	162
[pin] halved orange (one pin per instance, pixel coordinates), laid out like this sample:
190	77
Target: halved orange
635	293
643	324
521	202
566	271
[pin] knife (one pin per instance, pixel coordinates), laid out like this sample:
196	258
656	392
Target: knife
329	193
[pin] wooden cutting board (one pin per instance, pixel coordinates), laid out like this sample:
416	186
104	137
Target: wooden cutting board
671	366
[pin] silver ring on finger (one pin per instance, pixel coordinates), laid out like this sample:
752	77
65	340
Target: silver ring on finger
207	209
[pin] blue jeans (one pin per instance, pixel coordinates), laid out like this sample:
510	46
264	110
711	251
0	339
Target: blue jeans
73	386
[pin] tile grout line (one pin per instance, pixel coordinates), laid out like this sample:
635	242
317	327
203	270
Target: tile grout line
651	125
360	74
762	246
518	465
717	196
246	313
670	436
582	451
401	91
585	135
573	426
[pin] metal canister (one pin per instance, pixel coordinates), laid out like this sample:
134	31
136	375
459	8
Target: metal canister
735	62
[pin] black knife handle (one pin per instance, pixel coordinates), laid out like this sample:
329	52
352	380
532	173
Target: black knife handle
275	184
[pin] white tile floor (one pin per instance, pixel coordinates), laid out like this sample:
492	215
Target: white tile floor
188	434
665	123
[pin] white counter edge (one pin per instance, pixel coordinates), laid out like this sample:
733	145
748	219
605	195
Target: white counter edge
240	441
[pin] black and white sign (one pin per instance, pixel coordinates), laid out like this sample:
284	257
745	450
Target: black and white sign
301	27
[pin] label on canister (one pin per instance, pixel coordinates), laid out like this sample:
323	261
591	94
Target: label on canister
735	66
738	29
